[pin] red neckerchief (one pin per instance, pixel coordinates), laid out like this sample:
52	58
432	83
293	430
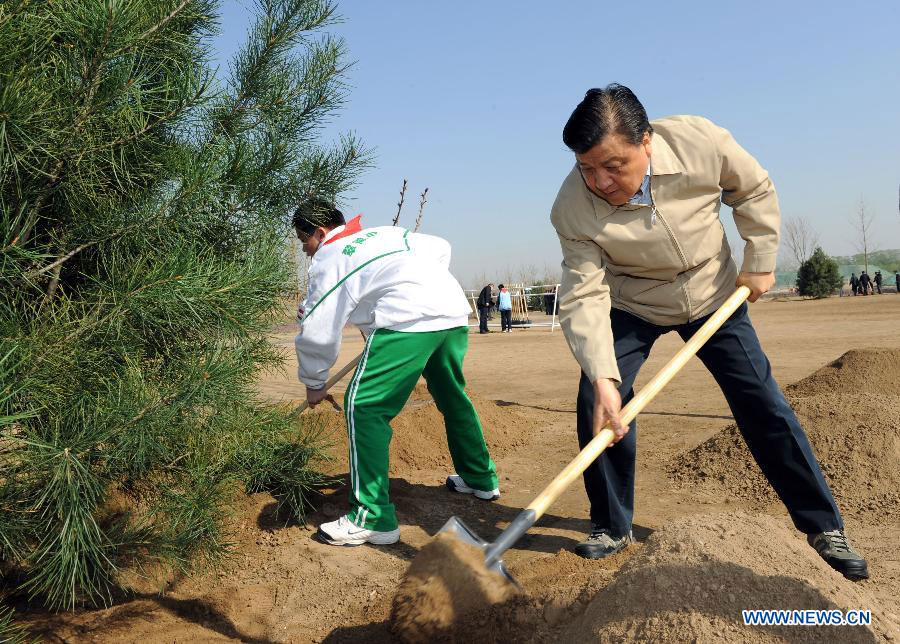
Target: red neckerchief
351	228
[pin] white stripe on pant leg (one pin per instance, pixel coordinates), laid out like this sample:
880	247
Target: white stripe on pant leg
351	424
362	520
349	430
350	436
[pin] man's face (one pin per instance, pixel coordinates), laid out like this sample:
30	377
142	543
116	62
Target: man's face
312	242
614	169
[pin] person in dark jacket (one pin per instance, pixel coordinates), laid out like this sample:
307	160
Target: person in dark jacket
897	282
548	301
865	283
485	302
878	279
854	284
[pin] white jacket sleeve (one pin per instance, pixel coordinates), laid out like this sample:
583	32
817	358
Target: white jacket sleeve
326	311
434	248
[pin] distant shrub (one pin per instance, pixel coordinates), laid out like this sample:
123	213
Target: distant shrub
818	276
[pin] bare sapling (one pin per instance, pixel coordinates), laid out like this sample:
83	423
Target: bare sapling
400	203
422	202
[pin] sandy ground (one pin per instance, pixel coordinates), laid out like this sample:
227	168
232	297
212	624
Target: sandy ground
284	587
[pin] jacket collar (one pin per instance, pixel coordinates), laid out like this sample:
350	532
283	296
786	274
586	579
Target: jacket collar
662	158
350	228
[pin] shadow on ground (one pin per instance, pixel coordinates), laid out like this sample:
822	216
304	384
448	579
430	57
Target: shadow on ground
430	506
139	608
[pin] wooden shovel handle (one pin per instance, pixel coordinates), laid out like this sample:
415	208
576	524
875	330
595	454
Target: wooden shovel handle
602	440
347	368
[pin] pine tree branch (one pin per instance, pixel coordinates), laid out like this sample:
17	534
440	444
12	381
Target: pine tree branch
91	78
12	14
152	30
59	261
122	140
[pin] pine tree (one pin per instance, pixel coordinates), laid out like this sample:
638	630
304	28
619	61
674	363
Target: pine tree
818	276
10	632
144	208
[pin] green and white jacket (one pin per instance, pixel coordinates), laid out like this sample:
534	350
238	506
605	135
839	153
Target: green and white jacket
376	278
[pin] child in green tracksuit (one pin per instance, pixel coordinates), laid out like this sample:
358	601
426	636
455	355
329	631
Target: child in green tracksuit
396	286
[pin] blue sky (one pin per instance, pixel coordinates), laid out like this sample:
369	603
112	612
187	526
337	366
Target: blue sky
469	99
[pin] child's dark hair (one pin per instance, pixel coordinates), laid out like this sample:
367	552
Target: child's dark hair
315	213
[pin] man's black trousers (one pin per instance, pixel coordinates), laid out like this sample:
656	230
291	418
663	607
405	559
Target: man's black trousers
736	360
506	319
483	318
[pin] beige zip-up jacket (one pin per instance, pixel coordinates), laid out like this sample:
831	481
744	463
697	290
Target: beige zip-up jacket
668	263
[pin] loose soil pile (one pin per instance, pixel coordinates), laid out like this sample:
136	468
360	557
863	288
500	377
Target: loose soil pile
420	439
688	582
693	578
854	430
445	582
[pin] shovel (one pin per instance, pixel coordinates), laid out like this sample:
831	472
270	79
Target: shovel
493	551
347	368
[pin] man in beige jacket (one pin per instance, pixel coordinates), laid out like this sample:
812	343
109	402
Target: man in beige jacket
644	253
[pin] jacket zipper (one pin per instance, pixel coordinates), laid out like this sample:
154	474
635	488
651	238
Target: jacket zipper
657	215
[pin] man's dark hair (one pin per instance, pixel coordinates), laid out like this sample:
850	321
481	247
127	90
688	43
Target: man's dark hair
501	286
613	109
314	213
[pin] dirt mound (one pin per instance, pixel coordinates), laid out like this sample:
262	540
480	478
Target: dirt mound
855	371
446	581
557	590
420	439
688	582
693	578
855	436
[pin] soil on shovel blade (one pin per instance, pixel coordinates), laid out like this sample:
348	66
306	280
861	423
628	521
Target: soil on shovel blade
712	539
445	583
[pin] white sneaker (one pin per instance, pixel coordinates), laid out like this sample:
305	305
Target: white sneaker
344	532
456	484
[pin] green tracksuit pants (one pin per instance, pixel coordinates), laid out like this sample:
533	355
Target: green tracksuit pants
387	373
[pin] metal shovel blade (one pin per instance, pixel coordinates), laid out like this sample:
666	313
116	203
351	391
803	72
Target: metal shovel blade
464	533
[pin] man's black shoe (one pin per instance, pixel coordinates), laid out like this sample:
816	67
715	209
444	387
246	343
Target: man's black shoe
837	552
600	543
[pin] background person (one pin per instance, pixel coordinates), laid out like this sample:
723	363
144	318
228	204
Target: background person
854	284
397	287
548	301
644	253
504	303
485	302
865	283
877	281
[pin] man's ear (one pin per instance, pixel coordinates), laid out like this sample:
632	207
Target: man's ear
646	143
